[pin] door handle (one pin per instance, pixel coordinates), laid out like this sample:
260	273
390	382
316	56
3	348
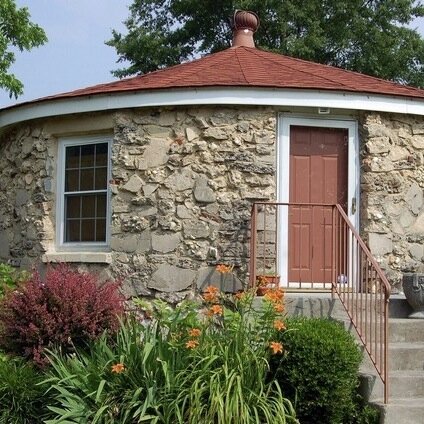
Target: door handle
353	207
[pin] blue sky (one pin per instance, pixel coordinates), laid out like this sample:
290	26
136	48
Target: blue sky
75	55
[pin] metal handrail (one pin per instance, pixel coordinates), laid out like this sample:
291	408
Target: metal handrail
353	272
369	318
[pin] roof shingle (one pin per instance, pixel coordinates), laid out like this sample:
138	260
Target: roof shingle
249	67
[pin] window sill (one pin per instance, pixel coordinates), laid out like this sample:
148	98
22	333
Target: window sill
80	257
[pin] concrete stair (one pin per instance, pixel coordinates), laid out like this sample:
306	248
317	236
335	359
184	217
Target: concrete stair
406	370
406	356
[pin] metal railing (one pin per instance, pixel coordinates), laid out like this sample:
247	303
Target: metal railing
320	249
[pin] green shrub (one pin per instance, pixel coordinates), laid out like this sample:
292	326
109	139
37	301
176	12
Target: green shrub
319	371
22	397
10	278
185	365
363	413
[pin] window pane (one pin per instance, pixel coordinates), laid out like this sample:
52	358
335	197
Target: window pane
87	179
101	154
101	205
72	180
101	179
87	155
87	229
72	157
101	230
72	207
88	206
72	230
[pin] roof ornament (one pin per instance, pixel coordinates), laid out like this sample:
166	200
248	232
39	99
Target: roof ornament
244	25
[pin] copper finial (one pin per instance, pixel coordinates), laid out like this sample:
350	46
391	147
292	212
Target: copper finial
245	24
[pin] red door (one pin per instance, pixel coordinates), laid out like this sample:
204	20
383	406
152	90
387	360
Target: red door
318	174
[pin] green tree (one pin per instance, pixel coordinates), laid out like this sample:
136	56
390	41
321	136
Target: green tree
16	32
369	36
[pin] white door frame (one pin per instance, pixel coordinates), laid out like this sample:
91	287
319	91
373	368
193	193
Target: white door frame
283	175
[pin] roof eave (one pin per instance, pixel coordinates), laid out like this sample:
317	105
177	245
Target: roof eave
227	95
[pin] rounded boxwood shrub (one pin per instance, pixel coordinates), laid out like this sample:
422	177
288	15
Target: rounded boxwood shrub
319	372
66	308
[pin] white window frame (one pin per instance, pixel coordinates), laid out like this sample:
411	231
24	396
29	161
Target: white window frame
61	244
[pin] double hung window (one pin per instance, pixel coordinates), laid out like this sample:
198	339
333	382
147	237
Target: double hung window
83	204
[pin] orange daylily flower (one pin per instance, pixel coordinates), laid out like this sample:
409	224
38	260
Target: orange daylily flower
210	294
274	295
276	347
192	344
216	310
195	332
279	307
224	269
279	325
118	368
212	289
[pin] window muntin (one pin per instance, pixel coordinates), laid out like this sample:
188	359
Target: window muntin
83	214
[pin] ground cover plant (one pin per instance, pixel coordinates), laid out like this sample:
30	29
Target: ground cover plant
23	398
179	365
10	278
66	308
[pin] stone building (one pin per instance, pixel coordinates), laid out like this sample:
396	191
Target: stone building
152	178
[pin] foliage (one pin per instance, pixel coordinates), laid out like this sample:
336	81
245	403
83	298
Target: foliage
320	371
178	365
16	32
22	396
370	37
10	278
67	308
363	413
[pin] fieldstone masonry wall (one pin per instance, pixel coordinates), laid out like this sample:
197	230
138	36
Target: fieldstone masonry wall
183	182
392	184
27	163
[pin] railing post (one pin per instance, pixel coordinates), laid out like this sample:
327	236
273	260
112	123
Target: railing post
333	254
386	348
253	244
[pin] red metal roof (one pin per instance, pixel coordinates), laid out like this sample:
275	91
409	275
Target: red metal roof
250	67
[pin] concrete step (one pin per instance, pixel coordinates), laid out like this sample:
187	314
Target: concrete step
314	305
406	373
401	411
406	356
322	305
406	330
406	384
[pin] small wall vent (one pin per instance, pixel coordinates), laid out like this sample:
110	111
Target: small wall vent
323	110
